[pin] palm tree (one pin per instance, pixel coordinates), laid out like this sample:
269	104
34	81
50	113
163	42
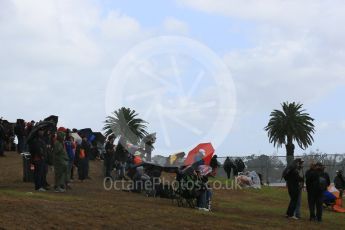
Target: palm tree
289	125
125	123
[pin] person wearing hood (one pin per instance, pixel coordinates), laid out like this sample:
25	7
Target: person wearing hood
317	182
228	165
82	152
38	151
60	162
294	179
109	156
214	165
339	183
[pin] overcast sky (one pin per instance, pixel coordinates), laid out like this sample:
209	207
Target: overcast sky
61	57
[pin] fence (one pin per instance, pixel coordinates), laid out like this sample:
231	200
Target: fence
271	167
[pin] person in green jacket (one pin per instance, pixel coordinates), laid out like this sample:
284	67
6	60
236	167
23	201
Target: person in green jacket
60	163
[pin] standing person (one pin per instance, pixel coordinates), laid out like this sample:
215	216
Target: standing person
240	166
205	193
19	131
38	153
109	156
2	139
60	162
293	180
300	187
227	167
317	181
81	159
339	183
48	161
88	153
214	165
70	149
28	128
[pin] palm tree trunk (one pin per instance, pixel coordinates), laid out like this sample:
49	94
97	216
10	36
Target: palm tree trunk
290	150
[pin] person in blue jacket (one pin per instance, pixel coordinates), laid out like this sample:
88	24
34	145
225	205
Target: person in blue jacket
70	149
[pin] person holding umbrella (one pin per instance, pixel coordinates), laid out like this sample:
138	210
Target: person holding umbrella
38	151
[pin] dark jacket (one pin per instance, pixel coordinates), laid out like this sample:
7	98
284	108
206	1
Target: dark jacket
339	182
121	154
19	129
240	166
313	181
38	149
294	179
228	165
2	132
214	163
109	151
84	146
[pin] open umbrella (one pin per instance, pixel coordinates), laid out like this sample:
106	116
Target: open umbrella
76	137
99	137
193	154
46	125
87	132
52	118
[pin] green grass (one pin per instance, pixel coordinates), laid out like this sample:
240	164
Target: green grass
89	206
38	196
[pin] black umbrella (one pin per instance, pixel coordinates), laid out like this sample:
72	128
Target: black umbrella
87	132
45	125
99	137
52	118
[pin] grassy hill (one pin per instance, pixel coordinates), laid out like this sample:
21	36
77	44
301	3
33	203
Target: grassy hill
89	206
